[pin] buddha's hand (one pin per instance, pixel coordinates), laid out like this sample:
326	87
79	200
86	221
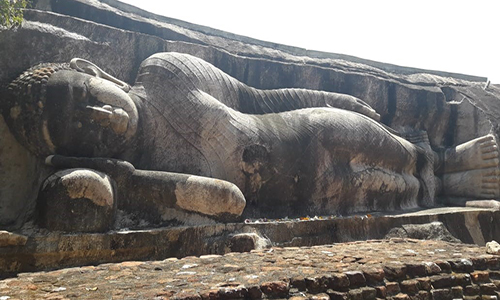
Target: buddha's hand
365	109
354	104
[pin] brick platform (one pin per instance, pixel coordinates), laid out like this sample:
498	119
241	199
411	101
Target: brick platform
385	269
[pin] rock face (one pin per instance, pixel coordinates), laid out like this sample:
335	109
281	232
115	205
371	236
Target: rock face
433	112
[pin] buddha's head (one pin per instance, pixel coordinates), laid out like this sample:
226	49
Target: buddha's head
71	109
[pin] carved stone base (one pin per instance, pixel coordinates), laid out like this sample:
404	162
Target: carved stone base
57	250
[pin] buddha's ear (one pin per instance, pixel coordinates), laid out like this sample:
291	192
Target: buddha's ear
85	66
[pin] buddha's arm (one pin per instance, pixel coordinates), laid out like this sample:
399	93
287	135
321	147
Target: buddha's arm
279	100
153	191
257	101
180	75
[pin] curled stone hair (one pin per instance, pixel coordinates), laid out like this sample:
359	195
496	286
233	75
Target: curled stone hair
23	110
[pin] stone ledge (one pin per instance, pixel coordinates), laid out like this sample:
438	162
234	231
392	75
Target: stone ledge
56	250
356	270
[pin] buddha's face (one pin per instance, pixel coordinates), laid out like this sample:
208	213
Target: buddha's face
87	116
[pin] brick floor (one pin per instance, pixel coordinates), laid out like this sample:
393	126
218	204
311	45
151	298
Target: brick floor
368	269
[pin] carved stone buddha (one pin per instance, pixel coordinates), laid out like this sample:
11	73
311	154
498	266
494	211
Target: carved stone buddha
188	143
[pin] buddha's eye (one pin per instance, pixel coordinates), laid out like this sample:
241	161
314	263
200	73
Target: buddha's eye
80	93
84	90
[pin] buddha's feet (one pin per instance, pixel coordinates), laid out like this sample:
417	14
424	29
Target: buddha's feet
476	154
476	184
472	169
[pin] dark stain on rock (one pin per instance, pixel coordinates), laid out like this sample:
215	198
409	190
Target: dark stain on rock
391	104
253	158
449	138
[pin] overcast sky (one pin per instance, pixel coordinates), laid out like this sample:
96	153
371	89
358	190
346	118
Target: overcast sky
455	36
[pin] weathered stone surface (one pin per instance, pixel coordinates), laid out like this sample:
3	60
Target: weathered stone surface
339	281
392	288
488	289
255	292
425	283
369	293
461	265
356	279
441	294
463	279
432	268
242	275
335	295
74	250
395	272
493	248
483	203
472	290
20	178
275	289
442	281
245	242
479	263
111	130
493	262
445	266
424	295
299	283
416	270
373	276
457	292
12	239
430	231
321	296
233	292
314	285
494	275
77	200
381	291
400	99
480	276
410	287
400	296
355	294
82	249
407	102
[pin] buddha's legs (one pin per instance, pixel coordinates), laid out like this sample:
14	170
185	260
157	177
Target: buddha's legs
356	164
367	188
469	170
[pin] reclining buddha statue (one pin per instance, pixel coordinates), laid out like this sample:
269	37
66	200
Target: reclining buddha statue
189	141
